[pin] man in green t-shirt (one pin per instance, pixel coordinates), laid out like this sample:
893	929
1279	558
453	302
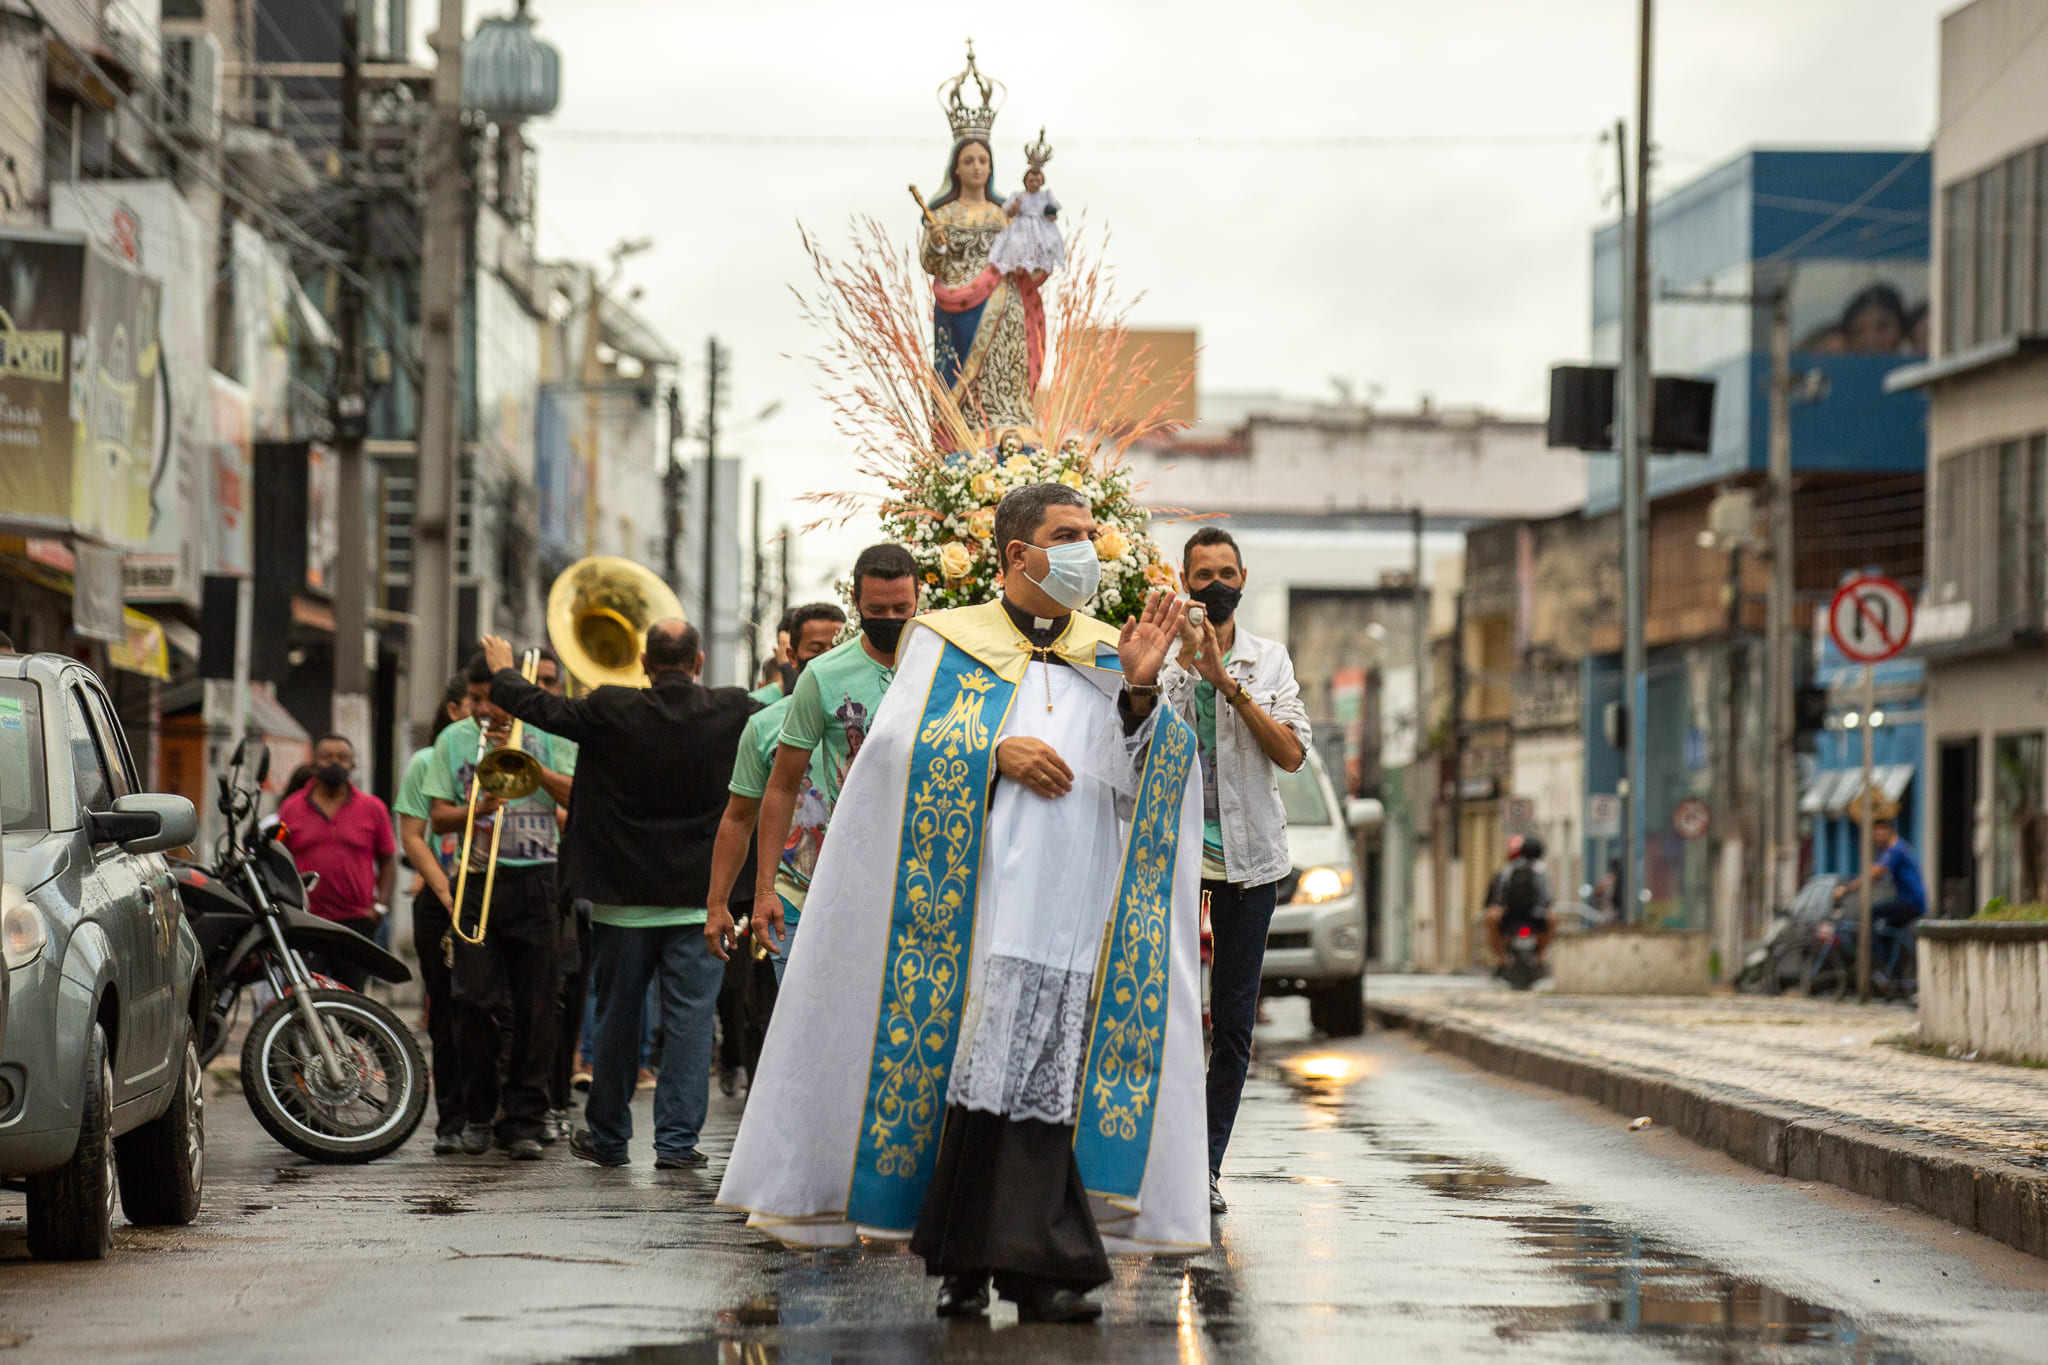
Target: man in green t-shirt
431	856
748	996
515	973
812	630
822	730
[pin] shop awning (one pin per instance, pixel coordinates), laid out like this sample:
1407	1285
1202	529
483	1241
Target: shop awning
1833	789
142	648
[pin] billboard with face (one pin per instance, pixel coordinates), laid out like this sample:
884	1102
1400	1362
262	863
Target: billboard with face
79	368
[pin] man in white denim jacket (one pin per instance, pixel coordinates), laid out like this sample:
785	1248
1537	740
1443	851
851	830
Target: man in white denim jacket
1239	693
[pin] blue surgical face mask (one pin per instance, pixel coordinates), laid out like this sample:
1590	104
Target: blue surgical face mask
1072	574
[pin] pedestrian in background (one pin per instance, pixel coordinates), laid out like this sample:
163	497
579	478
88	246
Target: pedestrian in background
344	835
1238	691
549	676
654	763
432	858
505	988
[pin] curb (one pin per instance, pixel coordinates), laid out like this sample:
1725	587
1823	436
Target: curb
2002	1201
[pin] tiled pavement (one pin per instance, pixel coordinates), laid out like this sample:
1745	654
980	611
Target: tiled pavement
1825	1060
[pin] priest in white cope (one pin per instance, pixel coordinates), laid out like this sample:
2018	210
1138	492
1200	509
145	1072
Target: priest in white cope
991	1040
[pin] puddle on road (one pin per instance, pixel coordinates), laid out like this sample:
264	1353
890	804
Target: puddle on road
1634	1284
1642	1286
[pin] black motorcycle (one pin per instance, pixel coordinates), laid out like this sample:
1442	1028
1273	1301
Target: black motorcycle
330	1073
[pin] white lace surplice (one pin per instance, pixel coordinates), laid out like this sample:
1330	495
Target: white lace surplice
1049	871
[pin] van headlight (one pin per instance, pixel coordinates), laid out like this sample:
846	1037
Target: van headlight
22	931
1319	884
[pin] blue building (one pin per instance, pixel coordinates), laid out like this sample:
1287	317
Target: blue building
1847	233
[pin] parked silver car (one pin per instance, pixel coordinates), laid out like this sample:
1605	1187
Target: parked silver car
1315	945
100	1082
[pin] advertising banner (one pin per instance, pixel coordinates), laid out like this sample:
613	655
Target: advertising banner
150	224
80	365
231	464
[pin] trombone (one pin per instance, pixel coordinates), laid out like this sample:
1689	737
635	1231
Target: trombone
507	772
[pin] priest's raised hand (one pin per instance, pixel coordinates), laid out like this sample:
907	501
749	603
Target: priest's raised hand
1142	644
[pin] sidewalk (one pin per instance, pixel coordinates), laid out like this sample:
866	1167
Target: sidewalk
1795	1087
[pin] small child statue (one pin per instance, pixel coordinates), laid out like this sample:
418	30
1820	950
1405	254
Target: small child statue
1031	243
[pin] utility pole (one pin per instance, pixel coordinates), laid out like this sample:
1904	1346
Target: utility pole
672	495
351	715
592	375
1639	423
1783	839
755	600
442	270
707	624
782	571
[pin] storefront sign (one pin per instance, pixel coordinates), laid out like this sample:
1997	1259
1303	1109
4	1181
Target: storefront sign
232	468
79	368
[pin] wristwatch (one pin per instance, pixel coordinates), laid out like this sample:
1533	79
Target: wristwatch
1240	697
1142	689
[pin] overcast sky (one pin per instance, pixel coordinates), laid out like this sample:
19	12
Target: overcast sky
1455	269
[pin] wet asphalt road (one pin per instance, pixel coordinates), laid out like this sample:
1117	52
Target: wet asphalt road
1386	1205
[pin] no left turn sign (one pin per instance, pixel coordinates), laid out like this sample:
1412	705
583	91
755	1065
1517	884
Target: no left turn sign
1870	619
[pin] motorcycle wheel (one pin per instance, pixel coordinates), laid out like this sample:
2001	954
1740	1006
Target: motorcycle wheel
383	1094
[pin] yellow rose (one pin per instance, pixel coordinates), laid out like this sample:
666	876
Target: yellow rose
1111	544
981	525
987	486
1018	466
954	560
1072	478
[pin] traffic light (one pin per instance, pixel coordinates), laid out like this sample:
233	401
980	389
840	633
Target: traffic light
1809	716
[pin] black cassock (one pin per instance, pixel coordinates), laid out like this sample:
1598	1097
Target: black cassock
1006	1199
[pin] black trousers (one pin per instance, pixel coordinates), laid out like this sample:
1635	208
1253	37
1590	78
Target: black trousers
1006	1200
746	1000
505	992
429	927
1238	919
569	1017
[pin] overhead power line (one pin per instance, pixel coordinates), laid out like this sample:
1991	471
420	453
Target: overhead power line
1324	142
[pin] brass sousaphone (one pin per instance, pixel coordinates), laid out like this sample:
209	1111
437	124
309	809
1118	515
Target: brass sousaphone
599	610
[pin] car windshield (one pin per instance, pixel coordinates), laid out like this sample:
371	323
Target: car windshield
1302	796
22	798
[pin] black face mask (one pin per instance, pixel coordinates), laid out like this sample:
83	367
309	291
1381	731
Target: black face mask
1219	599
333	775
789	675
883	633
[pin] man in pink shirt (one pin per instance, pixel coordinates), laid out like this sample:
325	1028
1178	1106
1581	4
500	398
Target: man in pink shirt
344	835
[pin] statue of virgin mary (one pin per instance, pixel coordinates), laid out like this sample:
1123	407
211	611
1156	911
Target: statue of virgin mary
988	342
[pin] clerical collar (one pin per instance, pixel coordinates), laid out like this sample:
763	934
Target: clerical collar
1040	631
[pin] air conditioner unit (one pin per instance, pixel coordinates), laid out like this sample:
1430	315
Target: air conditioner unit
191	85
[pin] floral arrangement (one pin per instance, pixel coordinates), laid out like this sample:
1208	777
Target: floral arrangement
947	519
942	472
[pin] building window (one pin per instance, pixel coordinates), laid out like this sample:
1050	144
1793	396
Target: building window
2015	254
2018	823
1959	250
1986	321
1990	535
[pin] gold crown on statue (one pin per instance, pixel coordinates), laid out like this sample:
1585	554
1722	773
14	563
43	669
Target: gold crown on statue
1036	154
971	121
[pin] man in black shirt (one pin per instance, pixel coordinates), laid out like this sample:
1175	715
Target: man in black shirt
654	763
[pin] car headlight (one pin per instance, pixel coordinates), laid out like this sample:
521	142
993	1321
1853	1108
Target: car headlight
22	931
1320	884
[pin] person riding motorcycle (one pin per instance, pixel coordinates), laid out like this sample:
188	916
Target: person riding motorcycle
1518	895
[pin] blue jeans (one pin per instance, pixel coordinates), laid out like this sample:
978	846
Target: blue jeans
648	1006
686	977
1238	919
781	960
